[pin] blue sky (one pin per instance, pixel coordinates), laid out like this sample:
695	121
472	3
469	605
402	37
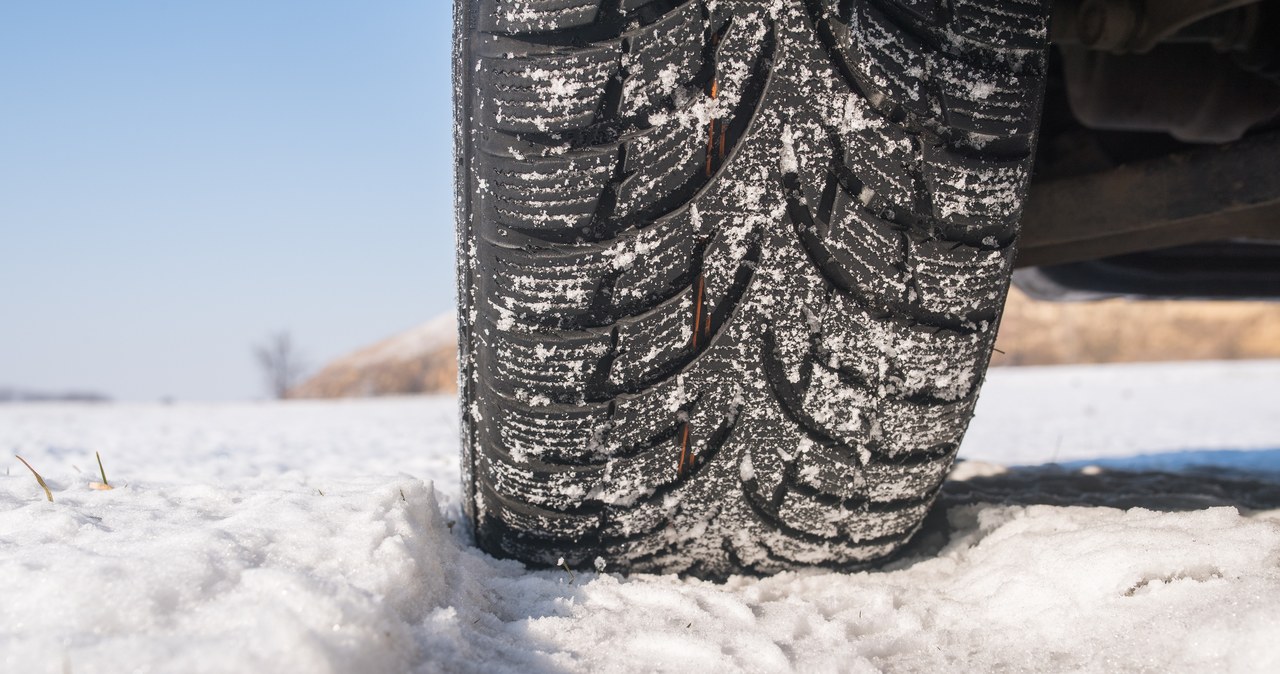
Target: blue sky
180	179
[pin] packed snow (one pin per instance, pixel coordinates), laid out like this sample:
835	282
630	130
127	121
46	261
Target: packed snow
326	536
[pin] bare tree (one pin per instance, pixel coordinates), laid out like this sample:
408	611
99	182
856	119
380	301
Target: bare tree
281	365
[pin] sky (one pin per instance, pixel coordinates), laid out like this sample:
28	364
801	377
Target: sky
179	180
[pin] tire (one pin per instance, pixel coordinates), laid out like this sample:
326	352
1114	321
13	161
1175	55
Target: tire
730	272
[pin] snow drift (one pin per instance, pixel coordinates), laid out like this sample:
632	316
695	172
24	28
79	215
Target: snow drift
291	537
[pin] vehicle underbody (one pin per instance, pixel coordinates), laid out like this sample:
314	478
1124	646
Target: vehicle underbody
1158	169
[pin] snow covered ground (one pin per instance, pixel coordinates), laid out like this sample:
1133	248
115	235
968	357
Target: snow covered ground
309	537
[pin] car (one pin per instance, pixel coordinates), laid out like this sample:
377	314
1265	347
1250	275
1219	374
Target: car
730	271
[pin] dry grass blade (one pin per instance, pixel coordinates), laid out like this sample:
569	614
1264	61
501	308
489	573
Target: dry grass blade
104	485
101	469
39	479
562	564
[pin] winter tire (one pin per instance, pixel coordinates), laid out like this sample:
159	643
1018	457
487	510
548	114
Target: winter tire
730	271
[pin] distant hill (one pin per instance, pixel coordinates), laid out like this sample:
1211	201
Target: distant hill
421	360
424	360
14	395
1122	331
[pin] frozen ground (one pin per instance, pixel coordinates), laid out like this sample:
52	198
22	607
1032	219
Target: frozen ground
308	537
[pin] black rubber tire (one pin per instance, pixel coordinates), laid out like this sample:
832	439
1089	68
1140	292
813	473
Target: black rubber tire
730	272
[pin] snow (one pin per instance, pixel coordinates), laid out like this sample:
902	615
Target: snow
307	536
1126	410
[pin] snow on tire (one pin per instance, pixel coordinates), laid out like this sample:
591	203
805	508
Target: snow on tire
730	272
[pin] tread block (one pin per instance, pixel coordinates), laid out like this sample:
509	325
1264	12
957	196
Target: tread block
888	59
549	289
979	197
536	16
898	358
958	282
542	369
841	410
561	434
869	250
629	523
763	467
792	455
812	516
887	481
664	59
523	517
540	484
653	343
887	520
548	93
883	156
810	157
637	478
642	419
660	162
824	517
554	195
936	363
1002	24
927	11
634	479
793	551
907	428
989	101
653	263
830	469
853	341
597	284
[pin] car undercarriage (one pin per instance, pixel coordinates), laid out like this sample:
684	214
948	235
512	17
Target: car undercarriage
1158	169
